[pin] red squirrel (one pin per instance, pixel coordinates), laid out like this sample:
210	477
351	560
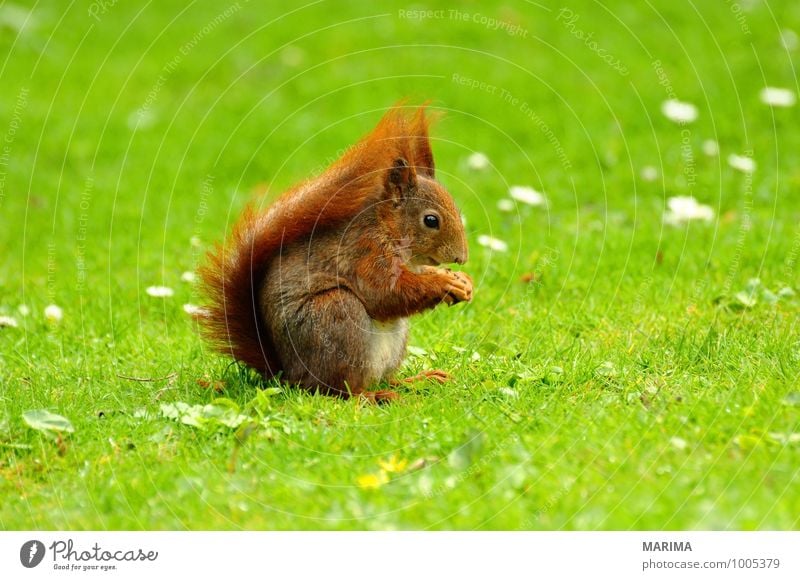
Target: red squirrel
317	289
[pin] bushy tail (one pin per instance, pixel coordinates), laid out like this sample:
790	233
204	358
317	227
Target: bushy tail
232	278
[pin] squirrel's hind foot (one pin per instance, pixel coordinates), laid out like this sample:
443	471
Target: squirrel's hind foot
380	397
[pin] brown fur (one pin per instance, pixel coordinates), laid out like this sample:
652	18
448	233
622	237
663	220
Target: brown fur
344	248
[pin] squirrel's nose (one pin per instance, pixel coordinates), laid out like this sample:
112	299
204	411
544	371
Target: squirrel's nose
459	260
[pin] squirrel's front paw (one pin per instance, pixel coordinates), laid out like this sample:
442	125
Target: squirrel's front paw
458	288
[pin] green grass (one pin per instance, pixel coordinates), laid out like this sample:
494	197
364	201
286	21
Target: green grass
672	405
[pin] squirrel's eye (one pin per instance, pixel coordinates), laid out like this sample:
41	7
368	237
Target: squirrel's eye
431	221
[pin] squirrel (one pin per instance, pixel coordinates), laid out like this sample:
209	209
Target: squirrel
317	289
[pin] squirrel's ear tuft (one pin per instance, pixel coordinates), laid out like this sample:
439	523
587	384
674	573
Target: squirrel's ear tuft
423	156
400	179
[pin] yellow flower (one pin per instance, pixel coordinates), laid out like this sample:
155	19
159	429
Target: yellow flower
393	465
372	480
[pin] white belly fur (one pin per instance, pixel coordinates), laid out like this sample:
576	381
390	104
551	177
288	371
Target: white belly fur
387	343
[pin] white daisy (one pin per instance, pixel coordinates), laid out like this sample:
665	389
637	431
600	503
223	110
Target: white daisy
23	310
508	392
159	291
526	194
7	321
649	173
493	243
506	205
742	163
53	313
710	147
679	111
683	209
678	443
478	161
789	39
194	310
775	97
189	277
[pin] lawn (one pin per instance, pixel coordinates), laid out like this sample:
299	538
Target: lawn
615	369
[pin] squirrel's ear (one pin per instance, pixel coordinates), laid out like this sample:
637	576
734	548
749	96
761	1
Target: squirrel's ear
400	179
